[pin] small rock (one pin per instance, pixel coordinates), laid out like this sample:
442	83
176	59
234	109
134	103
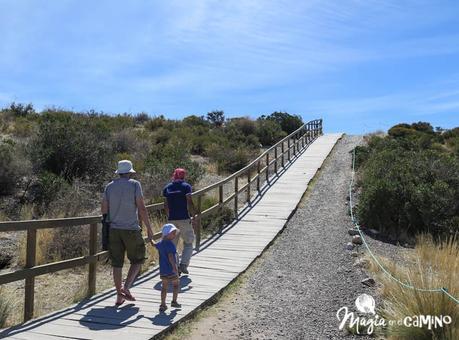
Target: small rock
354	253
362	263
368	282
356	239
350	246
352	231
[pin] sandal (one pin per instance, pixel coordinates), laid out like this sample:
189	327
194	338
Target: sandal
162	308
175	304
127	294
119	299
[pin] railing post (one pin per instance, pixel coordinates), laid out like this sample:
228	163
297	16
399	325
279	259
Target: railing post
294	145
288	146
275	159
258	176
248	186
282	151
267	168
236	189
93	265
220	201
302	139
198	227
29	288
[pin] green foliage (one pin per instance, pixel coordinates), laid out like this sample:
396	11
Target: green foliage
243	125
217	117
163	160
21	110
269	132
72	146
229	159
11	167
287	122
195	121
141	118
47	188
409	183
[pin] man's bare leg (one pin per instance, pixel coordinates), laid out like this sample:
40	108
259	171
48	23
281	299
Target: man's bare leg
132	274
117	279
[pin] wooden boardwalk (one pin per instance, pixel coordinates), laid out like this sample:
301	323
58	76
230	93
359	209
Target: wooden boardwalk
220	260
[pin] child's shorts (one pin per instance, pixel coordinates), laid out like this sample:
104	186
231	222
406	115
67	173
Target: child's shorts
169	277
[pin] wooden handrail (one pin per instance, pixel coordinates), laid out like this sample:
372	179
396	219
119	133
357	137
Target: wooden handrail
301	138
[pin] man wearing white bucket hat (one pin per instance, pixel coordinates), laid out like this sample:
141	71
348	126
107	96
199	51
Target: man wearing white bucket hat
122	205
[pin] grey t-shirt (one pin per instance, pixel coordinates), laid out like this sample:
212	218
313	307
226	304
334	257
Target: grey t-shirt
121	194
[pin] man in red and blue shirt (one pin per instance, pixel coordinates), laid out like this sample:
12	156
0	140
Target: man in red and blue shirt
178	204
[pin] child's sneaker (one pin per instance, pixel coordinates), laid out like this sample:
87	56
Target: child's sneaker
162	308
175	304
183	269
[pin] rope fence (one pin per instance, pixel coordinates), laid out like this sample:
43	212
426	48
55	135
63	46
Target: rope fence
357	227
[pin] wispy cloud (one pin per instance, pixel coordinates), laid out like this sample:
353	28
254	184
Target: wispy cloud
248	56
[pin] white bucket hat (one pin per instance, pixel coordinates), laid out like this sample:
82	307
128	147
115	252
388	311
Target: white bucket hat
168	228
125	167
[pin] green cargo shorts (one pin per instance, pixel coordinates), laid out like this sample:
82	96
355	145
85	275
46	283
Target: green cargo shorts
126	241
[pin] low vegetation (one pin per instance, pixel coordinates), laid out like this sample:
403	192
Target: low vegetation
409	190
409	180
55	164
431	265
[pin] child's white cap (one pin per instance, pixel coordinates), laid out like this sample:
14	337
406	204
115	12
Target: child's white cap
168	228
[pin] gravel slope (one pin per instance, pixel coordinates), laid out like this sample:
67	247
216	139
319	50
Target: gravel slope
295	289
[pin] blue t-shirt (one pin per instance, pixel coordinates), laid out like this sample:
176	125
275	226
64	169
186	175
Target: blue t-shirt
175	193
166	247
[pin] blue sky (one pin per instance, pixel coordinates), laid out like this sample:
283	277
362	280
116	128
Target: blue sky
361	65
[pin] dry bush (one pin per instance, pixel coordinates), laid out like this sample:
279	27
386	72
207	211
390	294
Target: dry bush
432	265
5	308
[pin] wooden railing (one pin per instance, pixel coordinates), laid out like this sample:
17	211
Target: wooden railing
275	158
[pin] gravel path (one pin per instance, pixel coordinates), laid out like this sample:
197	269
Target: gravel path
295	289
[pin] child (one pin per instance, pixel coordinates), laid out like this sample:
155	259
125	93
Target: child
168	270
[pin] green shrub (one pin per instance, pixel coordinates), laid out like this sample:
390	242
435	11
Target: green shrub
21	110
194	121
47	188
229	159
217	220
244	125
287	122
269	132
216	117
410	184
162	161
72	147
12	166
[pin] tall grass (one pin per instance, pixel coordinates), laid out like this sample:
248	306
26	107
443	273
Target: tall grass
431	265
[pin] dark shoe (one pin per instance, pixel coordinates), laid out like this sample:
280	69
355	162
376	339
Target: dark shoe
175	304
184	269
162	308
